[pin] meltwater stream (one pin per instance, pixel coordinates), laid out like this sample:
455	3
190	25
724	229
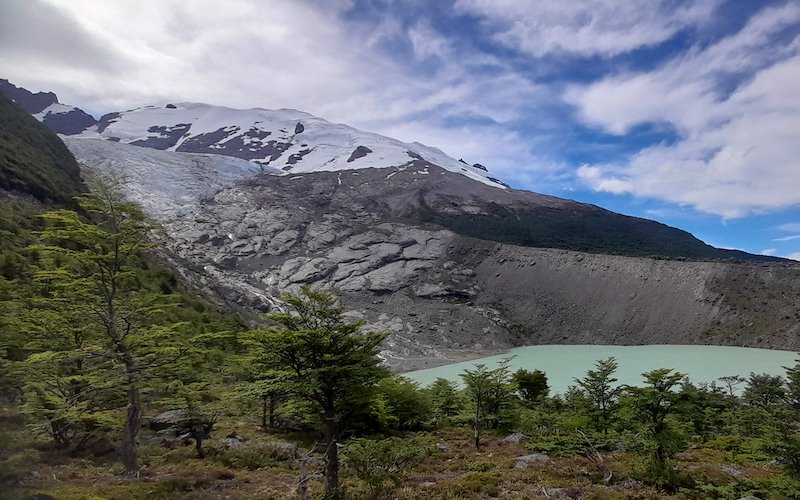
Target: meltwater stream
563	363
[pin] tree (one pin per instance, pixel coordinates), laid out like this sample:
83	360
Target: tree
764	390
329	362
489	391
407	406
792	395
600	387
445	400
531	385
783	434
92	263
655	404
731	382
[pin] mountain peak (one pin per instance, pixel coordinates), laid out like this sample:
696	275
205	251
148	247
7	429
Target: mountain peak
287	139
60	118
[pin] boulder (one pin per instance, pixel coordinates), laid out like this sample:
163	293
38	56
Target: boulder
515	438
525	460
167	419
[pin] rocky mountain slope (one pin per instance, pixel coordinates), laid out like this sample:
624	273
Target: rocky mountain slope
437	252
439	293
60	118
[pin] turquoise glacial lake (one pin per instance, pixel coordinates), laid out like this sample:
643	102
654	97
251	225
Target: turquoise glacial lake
563	363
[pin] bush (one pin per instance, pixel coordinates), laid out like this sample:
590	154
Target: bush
382	464
256	457
484	483
17	466
481	466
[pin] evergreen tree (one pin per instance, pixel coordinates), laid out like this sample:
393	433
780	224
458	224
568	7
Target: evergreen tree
445	400
329	363
531	385
108	324
407	406
656	403
764	390
489	391
601	389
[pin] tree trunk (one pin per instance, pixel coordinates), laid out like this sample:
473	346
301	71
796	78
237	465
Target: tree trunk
272	411
133	423
477	428
198	445
264	413
331	460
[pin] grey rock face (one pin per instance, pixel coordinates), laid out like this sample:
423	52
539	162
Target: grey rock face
439	295
524	461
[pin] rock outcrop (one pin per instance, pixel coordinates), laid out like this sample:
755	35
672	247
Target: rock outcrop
440	294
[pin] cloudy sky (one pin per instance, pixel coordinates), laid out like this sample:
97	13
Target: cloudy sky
687	112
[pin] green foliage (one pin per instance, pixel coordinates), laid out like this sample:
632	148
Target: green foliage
328	363
406	406
481	465
93	324
602	391
255	457
708	409
765	391
320	357
382	464
656	405
531	385
18	466
792	394
33	160
582	228
490	392
783	435
485	484
445	400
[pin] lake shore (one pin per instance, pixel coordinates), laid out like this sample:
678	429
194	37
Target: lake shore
564	363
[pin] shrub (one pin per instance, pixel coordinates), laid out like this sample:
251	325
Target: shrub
254	458
382	464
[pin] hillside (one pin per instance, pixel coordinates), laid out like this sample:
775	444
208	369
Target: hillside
33	160
291	142
59	118
437	252
368	234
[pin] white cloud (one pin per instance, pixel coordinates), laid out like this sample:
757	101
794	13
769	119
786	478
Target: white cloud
736	153
790	227
290	54
768	251
793	256
788	238
244	54
593	27
506	154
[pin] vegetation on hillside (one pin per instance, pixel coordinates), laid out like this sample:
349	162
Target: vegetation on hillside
583	229
116	382
273	412
33	160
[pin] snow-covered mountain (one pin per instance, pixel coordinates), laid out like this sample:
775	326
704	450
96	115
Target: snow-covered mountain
436	252
292	141
60	118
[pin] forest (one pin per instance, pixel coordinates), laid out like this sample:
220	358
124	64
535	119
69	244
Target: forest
118	381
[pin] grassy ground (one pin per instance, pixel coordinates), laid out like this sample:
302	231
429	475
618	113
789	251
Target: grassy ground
452	470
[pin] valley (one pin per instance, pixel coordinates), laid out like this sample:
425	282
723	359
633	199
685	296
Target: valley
434	261
481	267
